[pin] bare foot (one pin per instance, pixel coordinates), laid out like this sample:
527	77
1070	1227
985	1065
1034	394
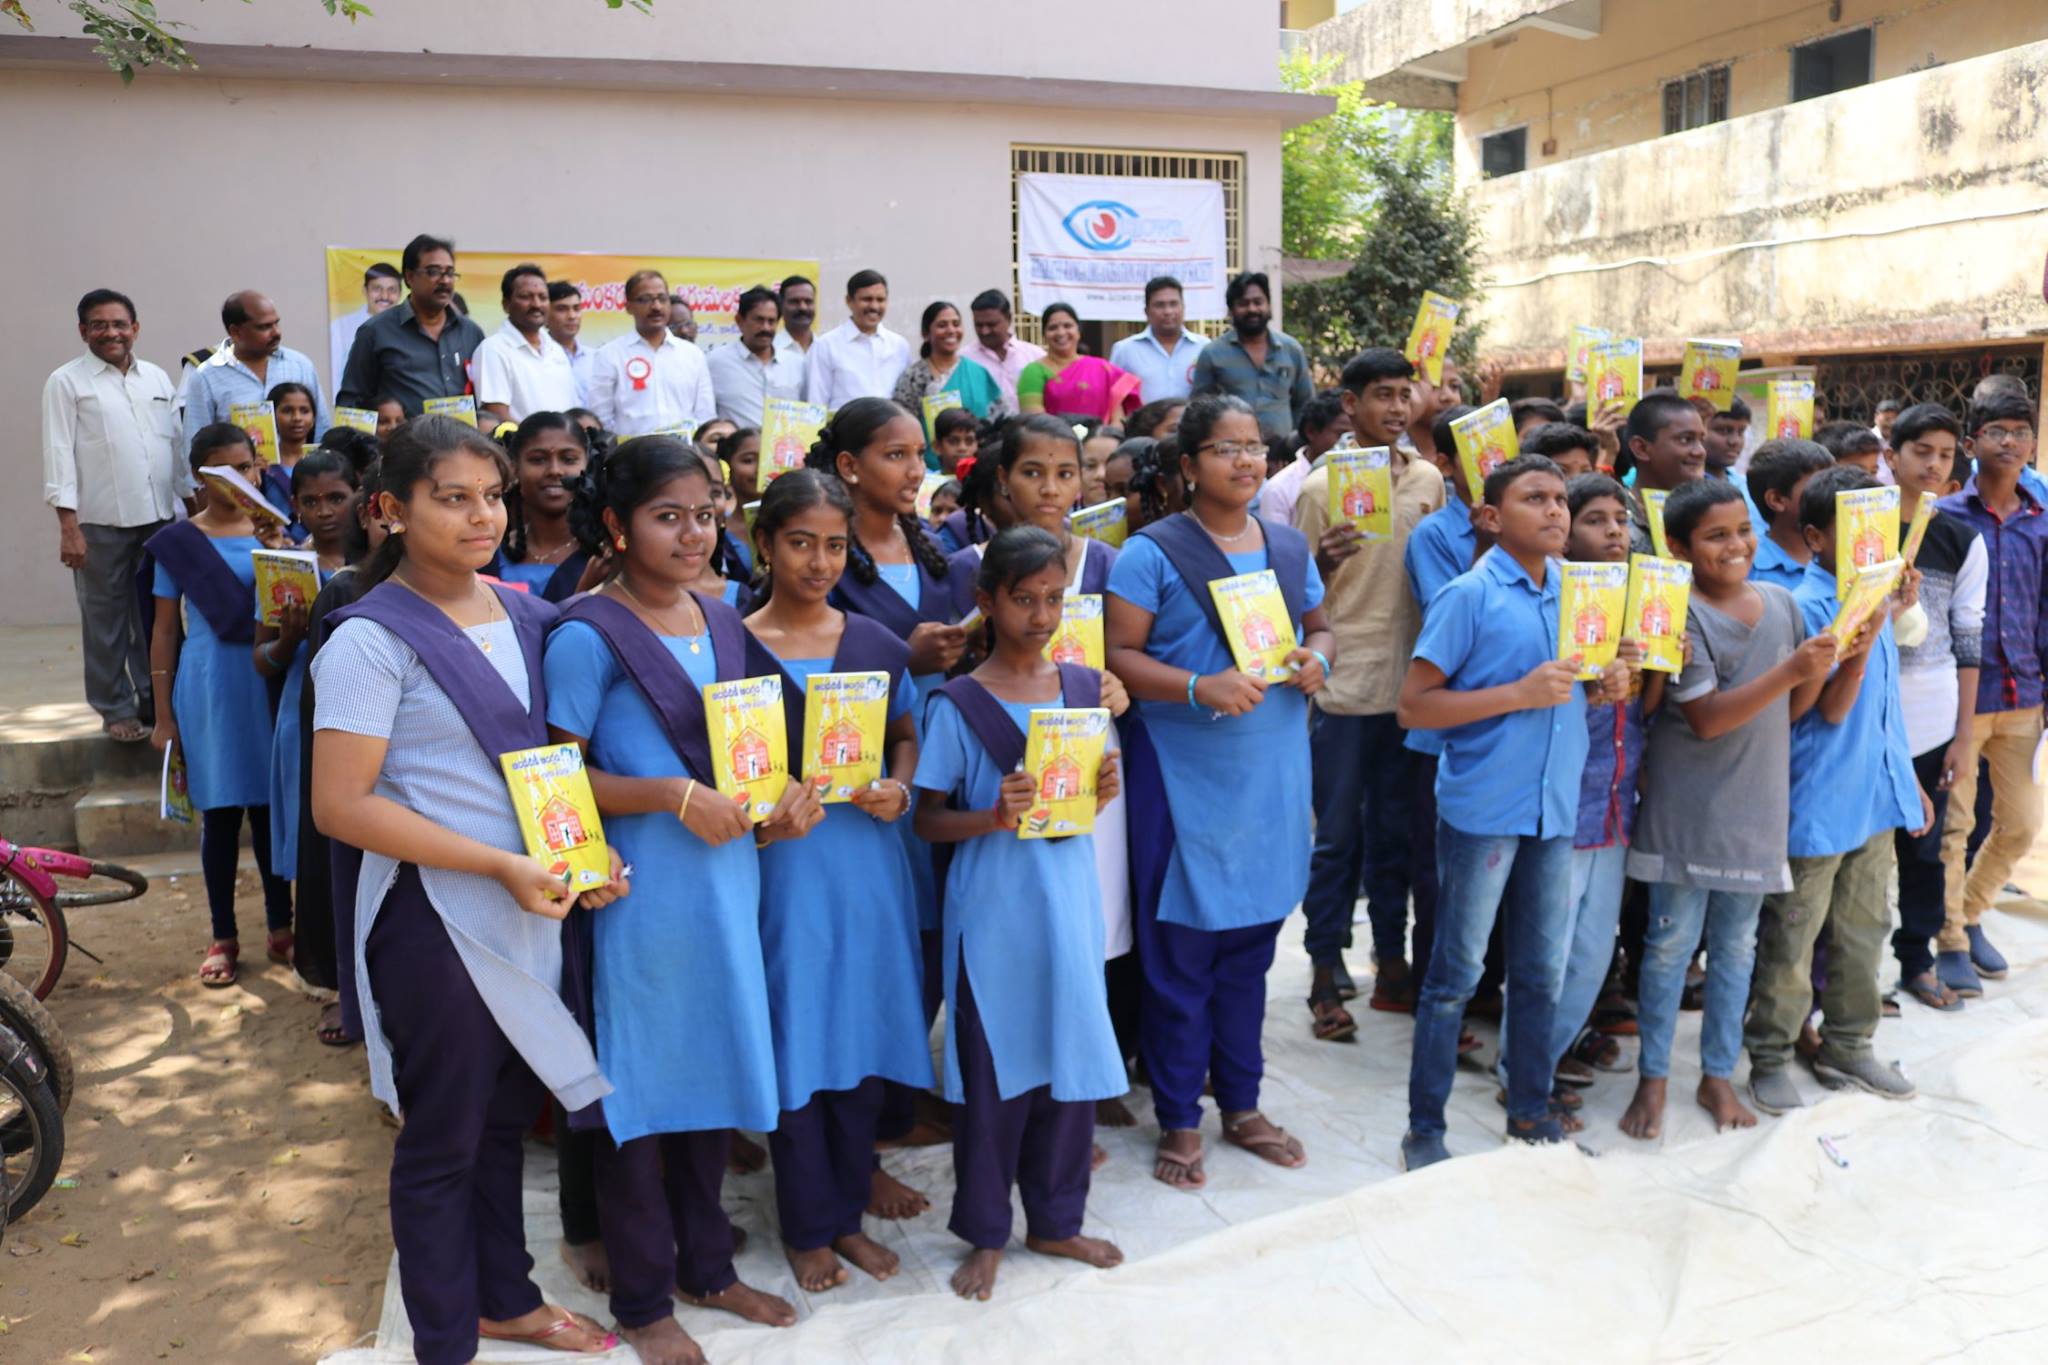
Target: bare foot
747	1302
1718	1098
745	1156
1644	1117
1097	1157
663	1343
889	1197
592	1268
816	1270
976	1277
1088	1250
867	1254
1114	1114
1178	1160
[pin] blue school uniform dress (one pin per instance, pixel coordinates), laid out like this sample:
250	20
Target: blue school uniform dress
221	705
681	999
529	575
284	765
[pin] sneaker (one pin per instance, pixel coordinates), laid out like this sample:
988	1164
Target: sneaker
1986	959
1422	1149
1773	1092
1865	1072
1959	974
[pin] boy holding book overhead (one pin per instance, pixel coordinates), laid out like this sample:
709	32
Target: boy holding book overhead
1487	675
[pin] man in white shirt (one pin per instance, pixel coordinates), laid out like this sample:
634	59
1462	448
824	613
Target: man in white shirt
382	287
113	474
565	325
799	310
746	375
994	348
1163	355
860	358
649	381
519	368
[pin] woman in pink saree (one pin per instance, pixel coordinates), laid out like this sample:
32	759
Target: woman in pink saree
1069	384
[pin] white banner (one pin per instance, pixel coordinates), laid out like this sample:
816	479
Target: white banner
1093	240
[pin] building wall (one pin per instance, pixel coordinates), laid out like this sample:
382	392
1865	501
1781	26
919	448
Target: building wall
180	190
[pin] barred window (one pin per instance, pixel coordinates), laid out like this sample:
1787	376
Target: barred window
1696	99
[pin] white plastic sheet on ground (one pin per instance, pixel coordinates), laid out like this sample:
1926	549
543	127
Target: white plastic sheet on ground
1931	1244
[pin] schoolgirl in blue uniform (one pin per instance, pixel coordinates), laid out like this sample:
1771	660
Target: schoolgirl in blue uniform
1220	838
541	552
838	909
1029	1046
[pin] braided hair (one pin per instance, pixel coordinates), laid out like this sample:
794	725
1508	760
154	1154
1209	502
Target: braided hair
1153	464
852	430
638	469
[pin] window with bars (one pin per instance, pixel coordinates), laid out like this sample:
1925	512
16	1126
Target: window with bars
1696	99
1226	168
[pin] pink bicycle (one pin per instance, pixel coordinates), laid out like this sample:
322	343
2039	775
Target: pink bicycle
34	940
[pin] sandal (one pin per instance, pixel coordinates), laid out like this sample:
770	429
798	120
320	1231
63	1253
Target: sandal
1468	1042
330	1029
1393	988
1333	1023
1928	989
1272	1146
278	946
221	966
1572	1071
1188	1165
545	1337
127	731
1601	1052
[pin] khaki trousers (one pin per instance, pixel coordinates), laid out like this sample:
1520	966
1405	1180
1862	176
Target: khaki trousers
2005	740
1846	892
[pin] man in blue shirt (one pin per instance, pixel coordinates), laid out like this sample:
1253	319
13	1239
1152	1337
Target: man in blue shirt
420	349
1852	786
1163	355
1258	362
247	366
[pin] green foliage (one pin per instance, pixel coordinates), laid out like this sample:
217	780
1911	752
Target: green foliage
1325	189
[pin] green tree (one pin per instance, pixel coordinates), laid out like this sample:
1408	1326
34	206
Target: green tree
1325	186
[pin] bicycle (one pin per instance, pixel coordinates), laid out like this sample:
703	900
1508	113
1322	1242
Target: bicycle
34	939
31	1127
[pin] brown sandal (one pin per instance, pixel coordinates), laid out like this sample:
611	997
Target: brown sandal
221	967
1333	1023
546	1336
1189	1164
1264	1145
278	946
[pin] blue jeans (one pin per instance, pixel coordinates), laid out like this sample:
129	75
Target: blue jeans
1589	936
1527	881
1361	834
1676	916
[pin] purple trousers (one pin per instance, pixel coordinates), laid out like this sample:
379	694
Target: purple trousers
1033	1143
899	1101
664	1230
468	1099
823	1155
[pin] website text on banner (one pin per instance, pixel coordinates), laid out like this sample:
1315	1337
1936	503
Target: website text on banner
712	285
1093	240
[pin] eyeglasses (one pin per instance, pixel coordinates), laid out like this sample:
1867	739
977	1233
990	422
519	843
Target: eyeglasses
438	273
1233	450
2004	436
98	328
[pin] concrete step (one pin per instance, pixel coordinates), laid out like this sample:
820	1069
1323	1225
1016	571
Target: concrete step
42	780
120	824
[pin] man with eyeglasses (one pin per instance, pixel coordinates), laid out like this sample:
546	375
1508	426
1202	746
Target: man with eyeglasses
420	350
650	380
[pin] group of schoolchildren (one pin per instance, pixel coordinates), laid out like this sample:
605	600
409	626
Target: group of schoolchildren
781	973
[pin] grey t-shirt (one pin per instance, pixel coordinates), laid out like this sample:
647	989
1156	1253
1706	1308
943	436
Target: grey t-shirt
1715	813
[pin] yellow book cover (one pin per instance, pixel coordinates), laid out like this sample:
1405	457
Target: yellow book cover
1653	511
1864	599
229	484
1108	522
174	796
557	814
1486	441
681	431
934	404
1256	620
1909	549
1063	752
1709	371
1429	340
357	419
1362	490
462	407
1614	370
931	485
1788	410
749	742
846	717
1578	350
1659	590
1078	637
284	578
1589	614
788	428
1866	532
260	421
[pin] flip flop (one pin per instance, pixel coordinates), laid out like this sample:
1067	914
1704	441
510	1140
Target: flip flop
1190	1163
221	967
1333	1023
1928	989
126	731
1279	1140
545	1337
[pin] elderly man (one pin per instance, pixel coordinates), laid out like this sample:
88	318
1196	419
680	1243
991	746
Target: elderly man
746	376
994	348
114	474
519	368
246	367
421	350
648	380
382	288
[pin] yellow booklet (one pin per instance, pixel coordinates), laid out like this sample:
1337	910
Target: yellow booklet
1255	618
462	407
749	742
227	483
1865	598
1063	752
1429	340
681	431
1108	522
284	578
1909	550
357	419
1362	490
174	796
1709	371
788	428
1866	532
1614	369
1078	637
557	814
1653	510
1486	441
845	718
1589	614
934	404
931	485
1659	590
1788	410
260	421
1578	350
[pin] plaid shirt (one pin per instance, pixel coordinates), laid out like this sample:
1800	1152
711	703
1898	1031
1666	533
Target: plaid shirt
2014	622
1277	390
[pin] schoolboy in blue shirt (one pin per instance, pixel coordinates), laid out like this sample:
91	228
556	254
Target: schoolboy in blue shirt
1852	786
1486	674
1778	472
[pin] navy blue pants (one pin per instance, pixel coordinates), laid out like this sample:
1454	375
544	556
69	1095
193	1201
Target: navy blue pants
220	853
1039	1146
664	1230
467	1099
1922	886
1363	804
823	1155
899	1101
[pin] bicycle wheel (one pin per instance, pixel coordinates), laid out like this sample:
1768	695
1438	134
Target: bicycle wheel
27	1106
110	884
33	939
25	1014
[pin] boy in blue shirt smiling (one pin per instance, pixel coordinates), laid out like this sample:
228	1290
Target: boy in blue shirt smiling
1512	716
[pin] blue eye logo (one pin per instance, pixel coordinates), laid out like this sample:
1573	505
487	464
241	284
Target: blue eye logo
1100	224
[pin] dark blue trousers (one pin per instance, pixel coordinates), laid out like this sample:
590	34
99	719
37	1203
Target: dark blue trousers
899	1101
823	1155
664	1229
1363	805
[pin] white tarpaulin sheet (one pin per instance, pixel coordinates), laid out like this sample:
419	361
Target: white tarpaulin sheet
1093	240
1931	1244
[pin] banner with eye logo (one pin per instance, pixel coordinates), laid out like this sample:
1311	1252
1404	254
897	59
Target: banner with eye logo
1093	240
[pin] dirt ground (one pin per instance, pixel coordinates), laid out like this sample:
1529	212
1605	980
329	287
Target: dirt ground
230	1199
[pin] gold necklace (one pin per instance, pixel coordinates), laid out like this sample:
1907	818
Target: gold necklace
1218	536
493	611
696	641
